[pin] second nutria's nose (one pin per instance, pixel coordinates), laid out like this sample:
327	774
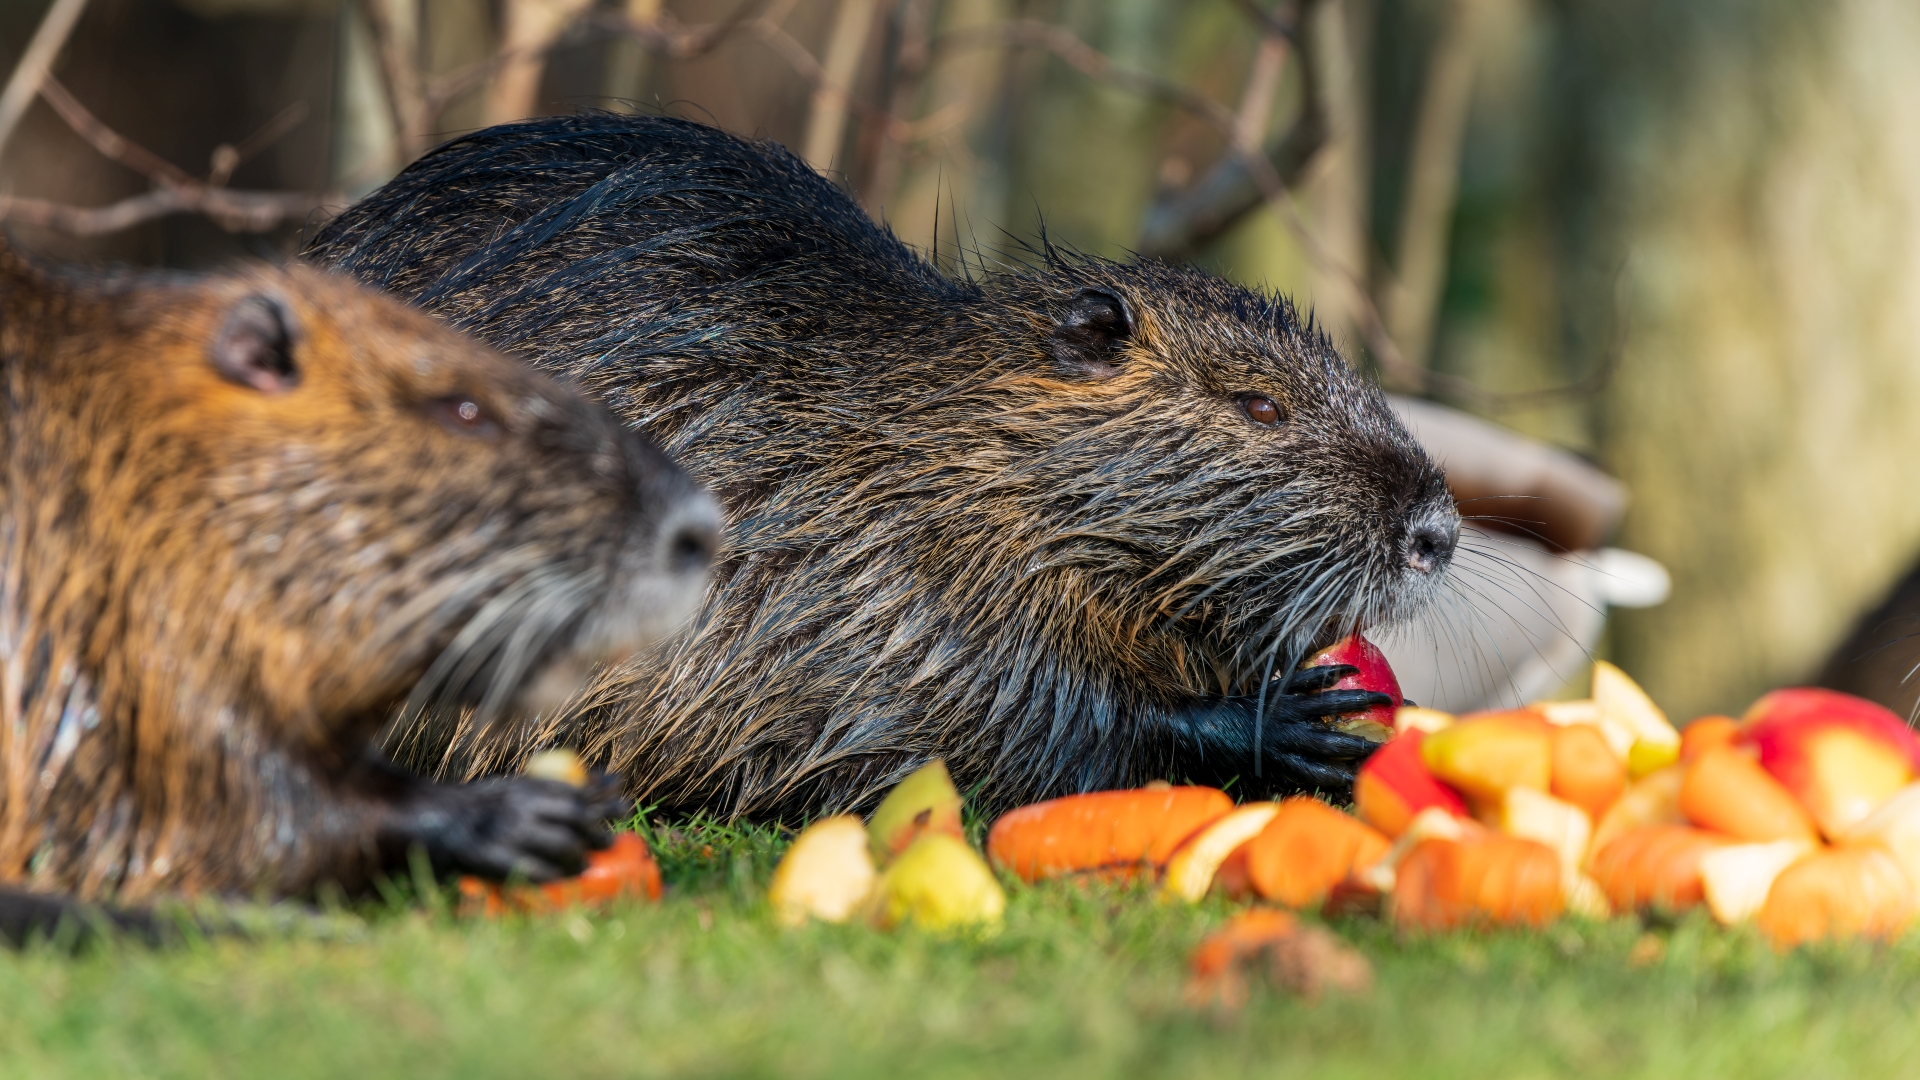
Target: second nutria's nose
1430	546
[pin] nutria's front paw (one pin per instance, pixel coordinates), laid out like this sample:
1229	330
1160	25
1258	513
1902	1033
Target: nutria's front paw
520	827
1290	745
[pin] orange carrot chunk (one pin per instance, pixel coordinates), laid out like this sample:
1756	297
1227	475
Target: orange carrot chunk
1839	892
1118	833
1307	849
1655	866
1489	880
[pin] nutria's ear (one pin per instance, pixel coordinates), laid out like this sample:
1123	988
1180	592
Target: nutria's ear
255	345
1090	330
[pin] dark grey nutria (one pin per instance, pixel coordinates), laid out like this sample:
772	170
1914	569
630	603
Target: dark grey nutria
245	517
1051	523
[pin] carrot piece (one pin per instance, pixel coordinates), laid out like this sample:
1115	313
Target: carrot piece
1655	866
624	870
1838	892
1586	771
1705	733
1307	849
1115	832
1727	791
1493	879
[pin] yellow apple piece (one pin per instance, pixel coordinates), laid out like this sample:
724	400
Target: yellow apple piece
827	874
1486	754
1736	878
1419	718
1587	713
563	766
1622	701
939	883
1190	871
1653	799
926	801
1895	826
1535	815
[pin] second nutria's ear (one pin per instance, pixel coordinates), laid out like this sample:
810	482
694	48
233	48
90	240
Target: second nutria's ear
255	345
1090	330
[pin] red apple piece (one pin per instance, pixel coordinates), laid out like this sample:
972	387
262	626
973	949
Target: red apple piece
1840	755
1374	674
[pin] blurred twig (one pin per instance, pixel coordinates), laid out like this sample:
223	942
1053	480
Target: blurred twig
1180	223
827	122
1412	298
34	64
176	192
234	211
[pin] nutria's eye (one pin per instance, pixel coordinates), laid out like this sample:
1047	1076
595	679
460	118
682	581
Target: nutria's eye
1260	409
463	415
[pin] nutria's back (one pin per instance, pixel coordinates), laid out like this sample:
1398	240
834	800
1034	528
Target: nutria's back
244	519
1053	523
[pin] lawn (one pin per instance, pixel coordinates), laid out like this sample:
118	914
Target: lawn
1082	982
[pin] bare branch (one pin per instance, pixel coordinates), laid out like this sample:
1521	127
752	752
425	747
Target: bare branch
229	156
1181	223
234	211
1089	61
109	143
35	62
406	94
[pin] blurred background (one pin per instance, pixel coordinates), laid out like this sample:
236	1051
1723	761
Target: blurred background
1679	239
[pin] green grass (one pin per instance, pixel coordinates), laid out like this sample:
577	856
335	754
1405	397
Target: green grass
1082	982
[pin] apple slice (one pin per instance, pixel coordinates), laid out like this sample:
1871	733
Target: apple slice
1374	674
1655	742
1190	871
1394	785
1561	826
1587	712
1840	755
1736	878
1837	892
926	801
827	874
939	883
1416	718
563	766
1486	753
1653	799
1895	826
1726	790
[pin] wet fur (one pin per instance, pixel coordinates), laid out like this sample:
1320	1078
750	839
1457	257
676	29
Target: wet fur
960	525
213	595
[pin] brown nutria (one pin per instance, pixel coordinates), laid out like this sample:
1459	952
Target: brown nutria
243	519
1056	523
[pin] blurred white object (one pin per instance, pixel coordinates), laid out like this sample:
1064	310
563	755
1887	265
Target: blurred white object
1517	621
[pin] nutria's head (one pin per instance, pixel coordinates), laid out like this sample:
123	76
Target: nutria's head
1216	471
303	496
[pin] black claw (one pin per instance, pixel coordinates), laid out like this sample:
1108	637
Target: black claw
524	827
1314	679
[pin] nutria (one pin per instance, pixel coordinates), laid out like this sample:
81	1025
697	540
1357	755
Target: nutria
1056	523
243	519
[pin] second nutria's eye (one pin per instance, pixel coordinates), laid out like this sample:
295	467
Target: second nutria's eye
462	415
1260	409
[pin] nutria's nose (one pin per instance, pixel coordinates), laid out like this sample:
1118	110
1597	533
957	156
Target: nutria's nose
1430	546
691	538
